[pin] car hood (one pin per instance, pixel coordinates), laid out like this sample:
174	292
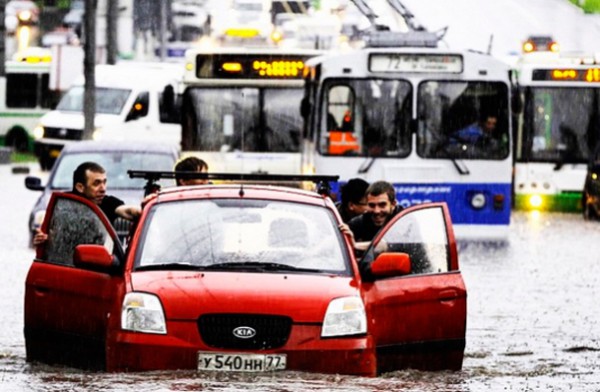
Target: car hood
75	120
185	295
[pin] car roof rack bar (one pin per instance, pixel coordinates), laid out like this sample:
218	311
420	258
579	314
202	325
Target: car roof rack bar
151	177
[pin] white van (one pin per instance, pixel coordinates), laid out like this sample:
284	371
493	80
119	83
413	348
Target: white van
132	104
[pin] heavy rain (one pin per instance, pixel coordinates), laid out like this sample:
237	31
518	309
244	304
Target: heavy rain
532	317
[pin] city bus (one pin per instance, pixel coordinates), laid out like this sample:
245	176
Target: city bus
240	109
24	97
557	130
391	111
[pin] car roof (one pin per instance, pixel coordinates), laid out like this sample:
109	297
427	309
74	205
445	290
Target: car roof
141	146
244	191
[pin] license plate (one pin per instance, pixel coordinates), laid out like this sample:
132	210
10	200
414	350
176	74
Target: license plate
241	362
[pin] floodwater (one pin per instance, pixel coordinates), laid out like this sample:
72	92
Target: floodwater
533	318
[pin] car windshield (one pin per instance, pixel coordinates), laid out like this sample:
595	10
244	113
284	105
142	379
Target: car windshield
108	100
246	235
116	164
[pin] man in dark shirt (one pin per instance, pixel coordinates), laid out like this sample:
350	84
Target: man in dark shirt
381	207
353	199
89	181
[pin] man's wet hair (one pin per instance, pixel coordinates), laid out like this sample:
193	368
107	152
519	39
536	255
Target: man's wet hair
189	164
80	176
353	191
380	187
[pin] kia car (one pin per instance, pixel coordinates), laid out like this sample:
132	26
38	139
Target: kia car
239	277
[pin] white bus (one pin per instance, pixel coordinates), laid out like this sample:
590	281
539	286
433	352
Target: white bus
392	113
556	131
241	109
24	98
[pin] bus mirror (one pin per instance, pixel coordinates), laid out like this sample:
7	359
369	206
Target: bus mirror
304	108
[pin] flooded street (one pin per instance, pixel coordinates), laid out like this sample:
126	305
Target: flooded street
533	318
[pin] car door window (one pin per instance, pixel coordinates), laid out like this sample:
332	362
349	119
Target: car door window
73	223
422	235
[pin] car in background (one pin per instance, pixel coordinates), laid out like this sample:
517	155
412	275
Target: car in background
116	158
244	278
134	101
74	18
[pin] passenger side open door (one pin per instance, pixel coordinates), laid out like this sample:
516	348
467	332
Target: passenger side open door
414	291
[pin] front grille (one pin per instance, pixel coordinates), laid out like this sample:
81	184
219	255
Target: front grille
217	330
62	133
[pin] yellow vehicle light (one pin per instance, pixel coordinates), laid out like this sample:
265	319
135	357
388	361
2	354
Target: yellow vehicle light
554	47
189	66
535	201
242	33
232	67
528	47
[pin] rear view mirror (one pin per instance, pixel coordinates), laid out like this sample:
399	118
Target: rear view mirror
391	264
33	183
93	257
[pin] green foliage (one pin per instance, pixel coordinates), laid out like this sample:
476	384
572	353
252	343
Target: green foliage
22	157
588	6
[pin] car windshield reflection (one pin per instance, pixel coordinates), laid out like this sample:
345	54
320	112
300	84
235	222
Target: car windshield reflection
245	235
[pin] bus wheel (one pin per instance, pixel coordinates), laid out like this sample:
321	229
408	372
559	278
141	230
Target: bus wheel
17	138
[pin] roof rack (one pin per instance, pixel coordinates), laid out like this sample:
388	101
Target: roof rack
151	177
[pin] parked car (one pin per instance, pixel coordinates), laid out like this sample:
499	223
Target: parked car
242	277
116	158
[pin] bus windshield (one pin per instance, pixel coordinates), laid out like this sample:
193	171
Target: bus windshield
108	100
463	120
560	124
244	119
366	117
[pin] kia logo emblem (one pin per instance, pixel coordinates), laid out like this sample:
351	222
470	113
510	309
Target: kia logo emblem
244	332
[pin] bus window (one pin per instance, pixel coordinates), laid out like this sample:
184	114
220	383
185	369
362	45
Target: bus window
448	108
23	89
559	123
367	118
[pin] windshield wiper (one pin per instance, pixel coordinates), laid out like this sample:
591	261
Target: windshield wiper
169	266
257	266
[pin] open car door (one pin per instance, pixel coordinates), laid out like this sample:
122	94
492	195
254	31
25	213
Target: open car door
414	291
71	289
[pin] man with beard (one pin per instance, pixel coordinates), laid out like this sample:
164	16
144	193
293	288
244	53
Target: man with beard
381	207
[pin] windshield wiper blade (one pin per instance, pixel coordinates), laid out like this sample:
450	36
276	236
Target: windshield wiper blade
257	266
169	266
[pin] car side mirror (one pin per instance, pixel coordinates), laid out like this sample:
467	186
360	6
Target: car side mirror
93	257
391	264
33	183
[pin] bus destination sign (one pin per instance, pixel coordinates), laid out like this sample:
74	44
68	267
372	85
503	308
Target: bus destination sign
591	75
249	66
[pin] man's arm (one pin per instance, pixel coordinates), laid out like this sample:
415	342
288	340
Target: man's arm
128	212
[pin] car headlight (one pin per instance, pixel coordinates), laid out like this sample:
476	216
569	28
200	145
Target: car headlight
38	132
143	313
345	316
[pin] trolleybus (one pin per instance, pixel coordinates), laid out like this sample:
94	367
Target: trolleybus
240	109
399	113
556	131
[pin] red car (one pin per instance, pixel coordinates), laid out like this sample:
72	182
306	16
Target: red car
240	277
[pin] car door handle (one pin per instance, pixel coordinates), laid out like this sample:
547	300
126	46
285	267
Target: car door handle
447	295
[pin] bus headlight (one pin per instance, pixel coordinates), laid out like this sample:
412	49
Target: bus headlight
478	201
344	316
38	132
535	201
143	312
